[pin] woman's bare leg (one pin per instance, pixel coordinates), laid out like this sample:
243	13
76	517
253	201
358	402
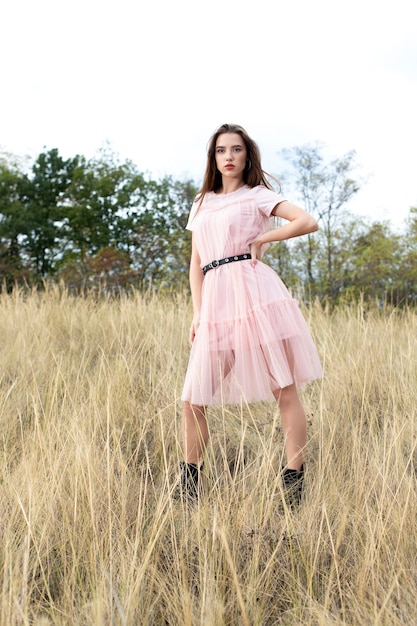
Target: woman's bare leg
294	425
195	432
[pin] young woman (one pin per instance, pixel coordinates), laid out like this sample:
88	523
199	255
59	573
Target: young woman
249	339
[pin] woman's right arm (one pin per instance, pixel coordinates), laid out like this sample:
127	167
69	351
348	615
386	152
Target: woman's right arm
196	285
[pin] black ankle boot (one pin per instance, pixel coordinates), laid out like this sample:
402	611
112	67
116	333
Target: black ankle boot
190	475
293	486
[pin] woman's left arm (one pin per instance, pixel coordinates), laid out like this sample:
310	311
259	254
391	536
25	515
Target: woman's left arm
299	223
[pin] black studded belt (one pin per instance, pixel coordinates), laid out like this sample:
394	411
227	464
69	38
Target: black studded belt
228	259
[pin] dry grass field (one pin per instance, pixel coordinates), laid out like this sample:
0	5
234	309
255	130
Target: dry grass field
90	444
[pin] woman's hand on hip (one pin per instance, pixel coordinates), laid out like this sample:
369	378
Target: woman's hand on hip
256	252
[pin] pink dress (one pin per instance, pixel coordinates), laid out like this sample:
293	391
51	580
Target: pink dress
252	339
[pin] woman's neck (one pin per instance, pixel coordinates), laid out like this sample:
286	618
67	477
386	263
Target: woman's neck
229	186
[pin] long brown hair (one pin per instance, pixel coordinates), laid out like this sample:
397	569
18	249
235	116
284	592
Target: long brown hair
253	175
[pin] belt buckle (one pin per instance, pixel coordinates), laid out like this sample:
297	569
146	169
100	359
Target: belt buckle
214	264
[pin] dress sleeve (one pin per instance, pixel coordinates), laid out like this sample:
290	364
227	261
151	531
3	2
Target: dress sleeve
189	225
266	200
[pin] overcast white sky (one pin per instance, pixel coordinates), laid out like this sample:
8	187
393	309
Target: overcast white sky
155	78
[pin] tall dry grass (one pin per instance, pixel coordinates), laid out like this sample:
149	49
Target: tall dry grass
90	443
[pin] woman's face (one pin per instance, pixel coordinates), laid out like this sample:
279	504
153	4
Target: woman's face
231	155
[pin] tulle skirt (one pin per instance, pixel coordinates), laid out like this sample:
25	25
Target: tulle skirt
252	339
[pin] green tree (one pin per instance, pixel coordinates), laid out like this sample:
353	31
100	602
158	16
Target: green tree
12	267
408	272
100	198
160	244
43	196
375	264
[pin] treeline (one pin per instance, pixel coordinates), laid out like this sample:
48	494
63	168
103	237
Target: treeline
349	257
91	223
103	224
